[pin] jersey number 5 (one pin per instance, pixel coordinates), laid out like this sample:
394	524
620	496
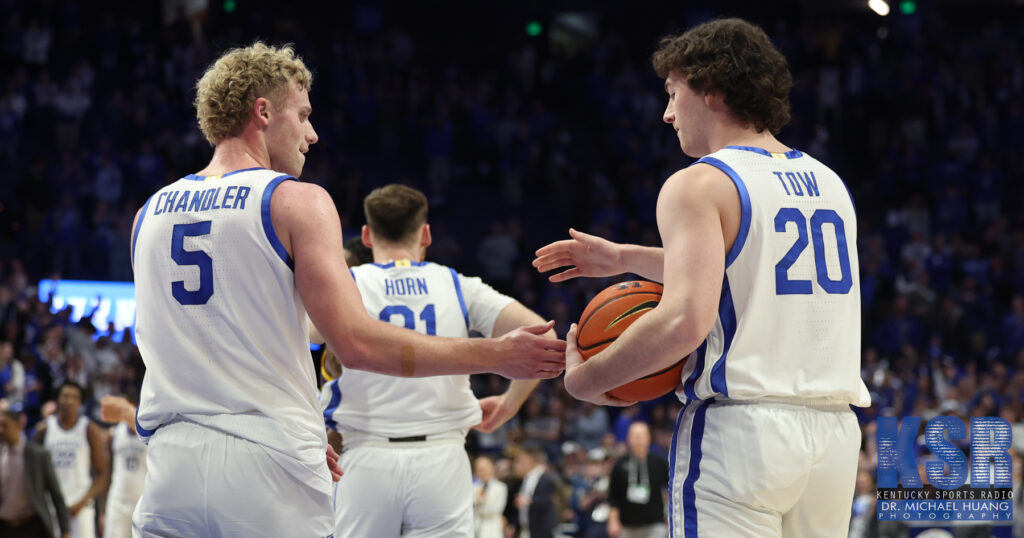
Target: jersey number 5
427	315
783	284
198	258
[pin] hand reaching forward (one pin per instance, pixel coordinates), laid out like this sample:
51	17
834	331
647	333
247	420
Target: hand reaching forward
525	354
586	255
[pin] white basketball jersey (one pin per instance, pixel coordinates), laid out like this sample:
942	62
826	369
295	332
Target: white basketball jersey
72	457
431	299
220	325
129	469
788	322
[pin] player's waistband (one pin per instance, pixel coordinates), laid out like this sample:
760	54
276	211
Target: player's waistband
354	438
821	404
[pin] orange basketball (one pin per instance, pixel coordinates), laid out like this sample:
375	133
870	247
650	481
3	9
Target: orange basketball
611	312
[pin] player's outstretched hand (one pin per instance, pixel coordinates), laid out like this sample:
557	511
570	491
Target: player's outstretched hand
496	412
333	465
116	409
574	384
526	354
584	254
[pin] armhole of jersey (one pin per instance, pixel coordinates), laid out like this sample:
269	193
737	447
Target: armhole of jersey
848	191
143	432
268	223
332	405
138	226
462	300
741	188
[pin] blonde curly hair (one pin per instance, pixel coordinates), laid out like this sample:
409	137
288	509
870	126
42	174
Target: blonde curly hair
227	90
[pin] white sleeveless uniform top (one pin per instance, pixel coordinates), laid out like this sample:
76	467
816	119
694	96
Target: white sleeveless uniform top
72	457
788	322
430	299
220	325
129	469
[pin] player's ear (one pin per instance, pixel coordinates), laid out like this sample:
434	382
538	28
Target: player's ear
261	111
715	101
367	239
425	238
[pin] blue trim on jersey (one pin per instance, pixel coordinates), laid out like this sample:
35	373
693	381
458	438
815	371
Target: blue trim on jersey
741	188
194	177
242	170
848	191
672	469
268	223
462	301
332	406
353	273
791	154
138	226
727	315
698	369
143	432
693	471
391	264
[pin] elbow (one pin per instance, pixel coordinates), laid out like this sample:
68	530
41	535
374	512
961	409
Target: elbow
688	331
354	354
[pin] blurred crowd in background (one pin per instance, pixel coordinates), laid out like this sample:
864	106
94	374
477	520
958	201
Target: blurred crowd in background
516	137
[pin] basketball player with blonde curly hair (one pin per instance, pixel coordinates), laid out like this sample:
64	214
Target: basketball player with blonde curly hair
228	262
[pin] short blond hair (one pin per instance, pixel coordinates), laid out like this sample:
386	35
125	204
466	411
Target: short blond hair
227	90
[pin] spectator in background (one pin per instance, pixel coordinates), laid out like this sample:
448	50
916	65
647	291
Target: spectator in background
12	376
637	489
26	479
536	500
490	496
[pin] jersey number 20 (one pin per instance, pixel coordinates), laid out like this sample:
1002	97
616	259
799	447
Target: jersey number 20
783	284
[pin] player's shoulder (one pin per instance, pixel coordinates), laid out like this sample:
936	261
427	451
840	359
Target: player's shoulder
300	200
697	181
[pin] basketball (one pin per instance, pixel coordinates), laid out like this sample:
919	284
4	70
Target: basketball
613	311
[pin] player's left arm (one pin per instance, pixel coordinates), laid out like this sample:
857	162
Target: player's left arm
100	466
689	214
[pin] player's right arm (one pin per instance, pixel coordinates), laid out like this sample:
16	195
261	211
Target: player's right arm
307	223
591	256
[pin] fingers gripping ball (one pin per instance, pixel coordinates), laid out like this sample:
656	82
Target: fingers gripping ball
609	314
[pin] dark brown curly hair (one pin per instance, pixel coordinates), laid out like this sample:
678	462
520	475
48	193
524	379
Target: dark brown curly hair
735	58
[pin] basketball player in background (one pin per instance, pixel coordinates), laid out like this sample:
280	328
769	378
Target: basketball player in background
407	472
228	261
79	459
761	291
128	456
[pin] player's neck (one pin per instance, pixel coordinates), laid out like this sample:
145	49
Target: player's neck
733	134
236	153
385	254
67	422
